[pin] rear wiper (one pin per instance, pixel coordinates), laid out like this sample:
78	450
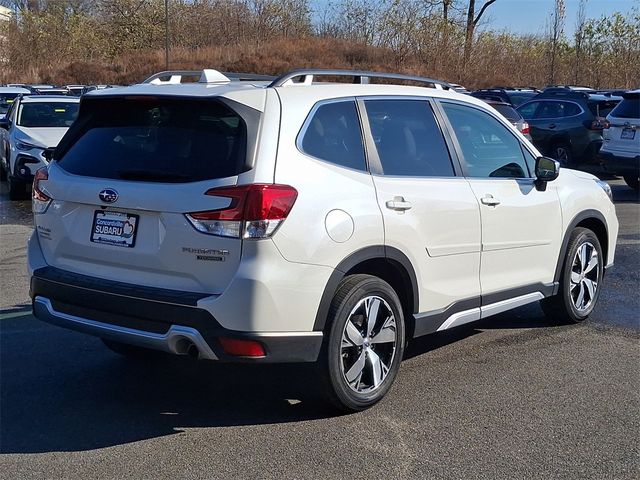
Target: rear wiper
139	174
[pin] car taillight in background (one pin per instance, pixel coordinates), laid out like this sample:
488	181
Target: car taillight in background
256	211
40	200
525	129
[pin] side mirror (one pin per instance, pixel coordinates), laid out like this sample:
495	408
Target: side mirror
5	123
48	154
547	170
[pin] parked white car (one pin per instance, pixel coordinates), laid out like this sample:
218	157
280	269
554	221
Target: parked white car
32	125
620	150
8	96
295	221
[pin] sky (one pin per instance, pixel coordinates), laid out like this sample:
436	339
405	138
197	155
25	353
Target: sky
530	16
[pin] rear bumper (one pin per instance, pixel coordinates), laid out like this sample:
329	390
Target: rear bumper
153	318
619	165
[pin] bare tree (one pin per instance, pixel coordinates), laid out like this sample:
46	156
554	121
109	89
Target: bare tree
581	23
472	22
555	34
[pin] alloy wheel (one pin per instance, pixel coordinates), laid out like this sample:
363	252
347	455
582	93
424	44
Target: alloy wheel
584	276
368	344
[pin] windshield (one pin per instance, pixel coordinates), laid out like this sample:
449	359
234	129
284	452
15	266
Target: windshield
47	114
155	139
6	99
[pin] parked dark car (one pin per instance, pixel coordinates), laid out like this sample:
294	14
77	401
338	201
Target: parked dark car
514	96
567	125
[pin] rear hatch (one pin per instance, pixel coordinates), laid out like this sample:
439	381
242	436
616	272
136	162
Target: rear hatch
123	180
623	134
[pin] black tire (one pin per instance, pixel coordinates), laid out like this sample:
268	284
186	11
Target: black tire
356	295
562	307
131	351
17	189
633	181
562	153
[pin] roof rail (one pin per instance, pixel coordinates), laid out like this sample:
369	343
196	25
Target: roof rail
204	76
359	76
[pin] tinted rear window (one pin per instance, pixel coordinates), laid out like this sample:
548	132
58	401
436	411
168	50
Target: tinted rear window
627	108
154	139
519	98
508	112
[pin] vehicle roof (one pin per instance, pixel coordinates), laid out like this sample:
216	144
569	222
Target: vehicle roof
50	98
252	93
14	90
328	89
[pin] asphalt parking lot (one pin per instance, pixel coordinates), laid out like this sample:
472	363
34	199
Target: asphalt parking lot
514	396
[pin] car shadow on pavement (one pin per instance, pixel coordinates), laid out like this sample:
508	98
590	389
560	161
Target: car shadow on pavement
63	391
624	194
72	394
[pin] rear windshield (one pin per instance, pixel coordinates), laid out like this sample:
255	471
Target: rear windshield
518	99
156	139
47	114
508	112
602	109
627	108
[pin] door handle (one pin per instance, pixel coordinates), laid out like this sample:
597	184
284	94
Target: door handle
398	204
490	200
552	126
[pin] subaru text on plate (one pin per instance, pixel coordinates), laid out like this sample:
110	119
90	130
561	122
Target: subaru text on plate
242	218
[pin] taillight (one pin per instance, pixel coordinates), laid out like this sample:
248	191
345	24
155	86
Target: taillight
600	124
525	129
255	211
40	200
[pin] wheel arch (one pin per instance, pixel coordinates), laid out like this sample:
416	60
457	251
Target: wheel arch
387	263
594	221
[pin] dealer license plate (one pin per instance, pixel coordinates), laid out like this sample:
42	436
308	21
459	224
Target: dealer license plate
114	228
628	133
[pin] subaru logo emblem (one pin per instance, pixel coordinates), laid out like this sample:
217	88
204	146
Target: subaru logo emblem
108	195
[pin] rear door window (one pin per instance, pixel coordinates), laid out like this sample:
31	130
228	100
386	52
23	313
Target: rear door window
332	133
156	139
408	138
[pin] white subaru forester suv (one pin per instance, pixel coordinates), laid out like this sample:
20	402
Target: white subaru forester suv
289	220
